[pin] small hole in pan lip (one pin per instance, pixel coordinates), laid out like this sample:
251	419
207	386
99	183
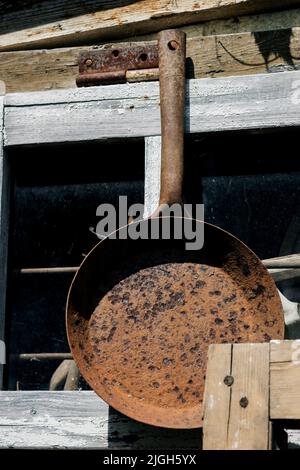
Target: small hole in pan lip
173	45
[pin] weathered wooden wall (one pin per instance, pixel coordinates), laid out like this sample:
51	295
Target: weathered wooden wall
244	45
132	110
48	24
79	420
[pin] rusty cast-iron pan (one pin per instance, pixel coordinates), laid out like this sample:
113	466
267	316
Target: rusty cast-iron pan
142	313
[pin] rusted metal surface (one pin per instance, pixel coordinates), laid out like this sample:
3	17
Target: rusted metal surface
142	313
109	66
171	46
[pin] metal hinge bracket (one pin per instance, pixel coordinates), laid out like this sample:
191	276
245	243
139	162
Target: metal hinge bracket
118	65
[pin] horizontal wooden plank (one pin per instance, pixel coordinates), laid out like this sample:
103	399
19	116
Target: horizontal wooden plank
284	274
249	45
132	110
288	261
284	351
212	56
78	420
48	24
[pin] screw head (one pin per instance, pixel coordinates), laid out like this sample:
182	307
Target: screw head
228	380
244	402
88	62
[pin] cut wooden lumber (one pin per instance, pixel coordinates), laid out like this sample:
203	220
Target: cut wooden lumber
236	407
152	174
283	262
79	420
217	397
264	384
285	380
132	110
56	23
248	426
4	228
254	44
280	274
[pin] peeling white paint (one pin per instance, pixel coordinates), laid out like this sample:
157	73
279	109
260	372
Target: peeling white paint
244	102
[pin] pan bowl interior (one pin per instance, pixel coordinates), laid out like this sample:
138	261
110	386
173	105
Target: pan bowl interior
142	313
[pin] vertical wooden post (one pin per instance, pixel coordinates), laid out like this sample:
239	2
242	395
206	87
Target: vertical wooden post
152	174
236	401
4	223
217	394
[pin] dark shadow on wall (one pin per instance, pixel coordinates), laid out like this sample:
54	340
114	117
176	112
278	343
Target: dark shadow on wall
124	432
275	43
272	45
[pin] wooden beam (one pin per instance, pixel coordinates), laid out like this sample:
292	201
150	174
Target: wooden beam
132	110
285	380
248	426
280	275
152	174
50	24
4	227
237	398
79	420
217	397
283	262
251	45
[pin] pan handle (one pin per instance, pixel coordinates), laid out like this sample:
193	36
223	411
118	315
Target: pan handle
172	53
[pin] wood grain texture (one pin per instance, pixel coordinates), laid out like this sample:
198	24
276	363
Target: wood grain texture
4	227
152	174
284	274
49	24
248	45
217	396
80	420
228	425
287	261
248	427
285	390
284	351
285	380
132	110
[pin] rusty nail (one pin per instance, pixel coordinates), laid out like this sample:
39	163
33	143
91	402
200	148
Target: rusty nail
244	402
88	62
228	380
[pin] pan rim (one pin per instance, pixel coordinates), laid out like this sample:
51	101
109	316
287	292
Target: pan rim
137	415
